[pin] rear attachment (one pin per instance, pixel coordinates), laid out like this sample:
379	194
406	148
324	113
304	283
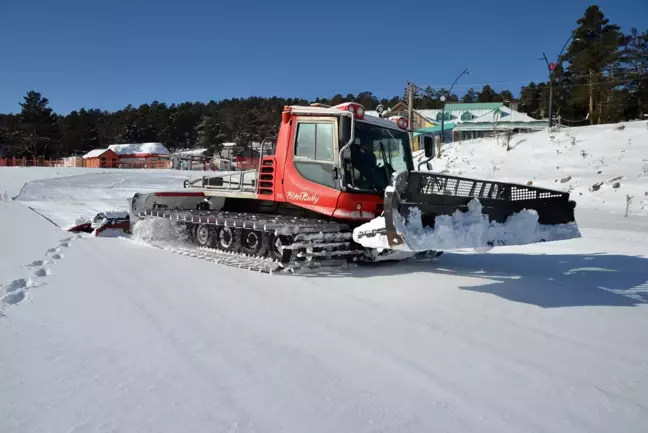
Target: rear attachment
114	223
428	211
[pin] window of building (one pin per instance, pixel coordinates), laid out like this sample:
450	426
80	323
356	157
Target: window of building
467	115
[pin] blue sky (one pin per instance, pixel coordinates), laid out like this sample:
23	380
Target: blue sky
107	54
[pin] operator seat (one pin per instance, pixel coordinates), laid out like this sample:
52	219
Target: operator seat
364	161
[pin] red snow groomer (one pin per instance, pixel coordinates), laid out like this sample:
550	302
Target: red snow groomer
329	172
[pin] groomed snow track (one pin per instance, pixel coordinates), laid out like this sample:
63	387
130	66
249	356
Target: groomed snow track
263	243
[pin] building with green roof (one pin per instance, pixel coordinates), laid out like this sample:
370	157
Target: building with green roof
464	121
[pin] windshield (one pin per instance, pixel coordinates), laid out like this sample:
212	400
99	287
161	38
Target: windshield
376	153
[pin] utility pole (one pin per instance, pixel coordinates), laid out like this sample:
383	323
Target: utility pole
552	72
410	109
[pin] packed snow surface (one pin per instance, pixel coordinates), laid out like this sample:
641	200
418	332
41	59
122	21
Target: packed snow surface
113	334
470	229
80	194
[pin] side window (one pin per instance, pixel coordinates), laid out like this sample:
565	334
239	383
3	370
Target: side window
314	152
315	141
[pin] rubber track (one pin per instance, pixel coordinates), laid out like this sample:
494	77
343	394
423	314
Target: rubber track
281	224
250	263
307	234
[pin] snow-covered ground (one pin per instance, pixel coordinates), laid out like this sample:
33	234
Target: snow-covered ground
573	159
107	334
82	193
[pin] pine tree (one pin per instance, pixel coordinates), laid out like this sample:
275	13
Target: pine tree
38	128
506	96
470	96
592	57
209	135
488	95
634	60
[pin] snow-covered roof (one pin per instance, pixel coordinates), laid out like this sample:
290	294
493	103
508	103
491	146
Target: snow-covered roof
139	148
432	114
482	113
513	116
190	152
94	153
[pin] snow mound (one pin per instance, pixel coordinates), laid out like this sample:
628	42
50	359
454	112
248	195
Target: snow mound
470	229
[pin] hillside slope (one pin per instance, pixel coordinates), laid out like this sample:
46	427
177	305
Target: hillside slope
573	159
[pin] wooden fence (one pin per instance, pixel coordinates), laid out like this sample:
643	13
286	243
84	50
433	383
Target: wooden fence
30	162
37	162
241	163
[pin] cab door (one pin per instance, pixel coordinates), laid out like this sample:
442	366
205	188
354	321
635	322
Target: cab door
310	176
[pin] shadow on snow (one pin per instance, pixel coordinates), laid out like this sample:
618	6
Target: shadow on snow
547	281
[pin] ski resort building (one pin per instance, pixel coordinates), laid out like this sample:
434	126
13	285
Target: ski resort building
464	121
101	158
140	152
138	155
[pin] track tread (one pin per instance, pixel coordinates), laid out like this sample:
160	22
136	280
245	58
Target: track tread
312	241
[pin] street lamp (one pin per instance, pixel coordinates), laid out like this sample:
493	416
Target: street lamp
552	70
443	99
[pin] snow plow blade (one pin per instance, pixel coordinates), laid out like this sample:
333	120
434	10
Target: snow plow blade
433	212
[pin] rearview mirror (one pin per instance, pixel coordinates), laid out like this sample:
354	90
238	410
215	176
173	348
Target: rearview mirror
428	146
344	130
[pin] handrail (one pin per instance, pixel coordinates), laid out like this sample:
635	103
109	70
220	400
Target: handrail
351	139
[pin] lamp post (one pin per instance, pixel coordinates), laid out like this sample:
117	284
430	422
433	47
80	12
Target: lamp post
443	99
552	70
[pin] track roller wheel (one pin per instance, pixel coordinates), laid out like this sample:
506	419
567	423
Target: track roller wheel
275	246
228	239
204	235
252	243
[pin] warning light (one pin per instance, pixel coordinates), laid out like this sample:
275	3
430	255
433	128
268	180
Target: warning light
552	66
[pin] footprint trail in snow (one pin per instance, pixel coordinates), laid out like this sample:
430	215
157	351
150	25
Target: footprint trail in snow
16	291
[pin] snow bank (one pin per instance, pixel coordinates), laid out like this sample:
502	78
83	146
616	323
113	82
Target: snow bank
470	229
570	159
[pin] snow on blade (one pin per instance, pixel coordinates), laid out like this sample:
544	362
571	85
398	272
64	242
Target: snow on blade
470	229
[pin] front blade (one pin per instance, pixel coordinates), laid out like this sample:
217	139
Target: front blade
427	211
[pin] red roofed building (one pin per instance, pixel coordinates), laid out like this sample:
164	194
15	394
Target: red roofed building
139	152
142	155
101	158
